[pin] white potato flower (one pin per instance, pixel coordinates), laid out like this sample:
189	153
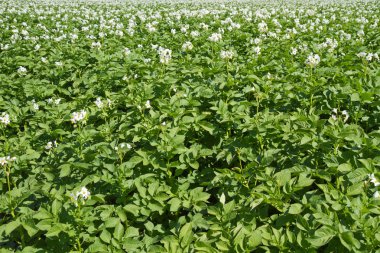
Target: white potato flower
99	103
374	180
312	60
83	194
147	104
127	51
346	115
51	144
3	161
96	44
78	116
194	34
263	27
36	107
187	46
257	50
165	55
215	37
4	119
7	159
226	54
22	70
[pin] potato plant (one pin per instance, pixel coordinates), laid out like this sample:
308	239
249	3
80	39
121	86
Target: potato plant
189	126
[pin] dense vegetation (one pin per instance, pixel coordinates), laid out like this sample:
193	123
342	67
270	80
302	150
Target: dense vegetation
189	126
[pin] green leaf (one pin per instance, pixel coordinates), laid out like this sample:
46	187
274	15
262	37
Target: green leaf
121	213
207	126
322	236
65	170
355	189
149	226
256	202
42	214
131	232
97	247
345	167
30	228
282	177
175	204
132	162
56	207
106	236
355	97
111	222
11	226
171	244
130	244
118	232
204	247
186	235
295	208
304	181
54	231
229	207
133	209
348	240
254	239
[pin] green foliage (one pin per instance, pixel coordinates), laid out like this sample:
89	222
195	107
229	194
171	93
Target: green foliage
127	139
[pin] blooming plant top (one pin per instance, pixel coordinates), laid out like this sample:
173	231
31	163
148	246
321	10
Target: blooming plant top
374	180
165	55
312	60
226	54
77	117
4	119
7	159
215	37
81	195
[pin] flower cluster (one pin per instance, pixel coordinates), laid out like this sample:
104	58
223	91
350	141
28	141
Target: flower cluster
215	37
165	55
127	51
78	116
329	44
22	70
122	146
312	60
147	104
263	27
96	45
83	195
55	101
368	56
7	159
257	50
100	104
293	51
374	180
344	113
51	144
226	54
376	183
4	119
36	107
187	46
